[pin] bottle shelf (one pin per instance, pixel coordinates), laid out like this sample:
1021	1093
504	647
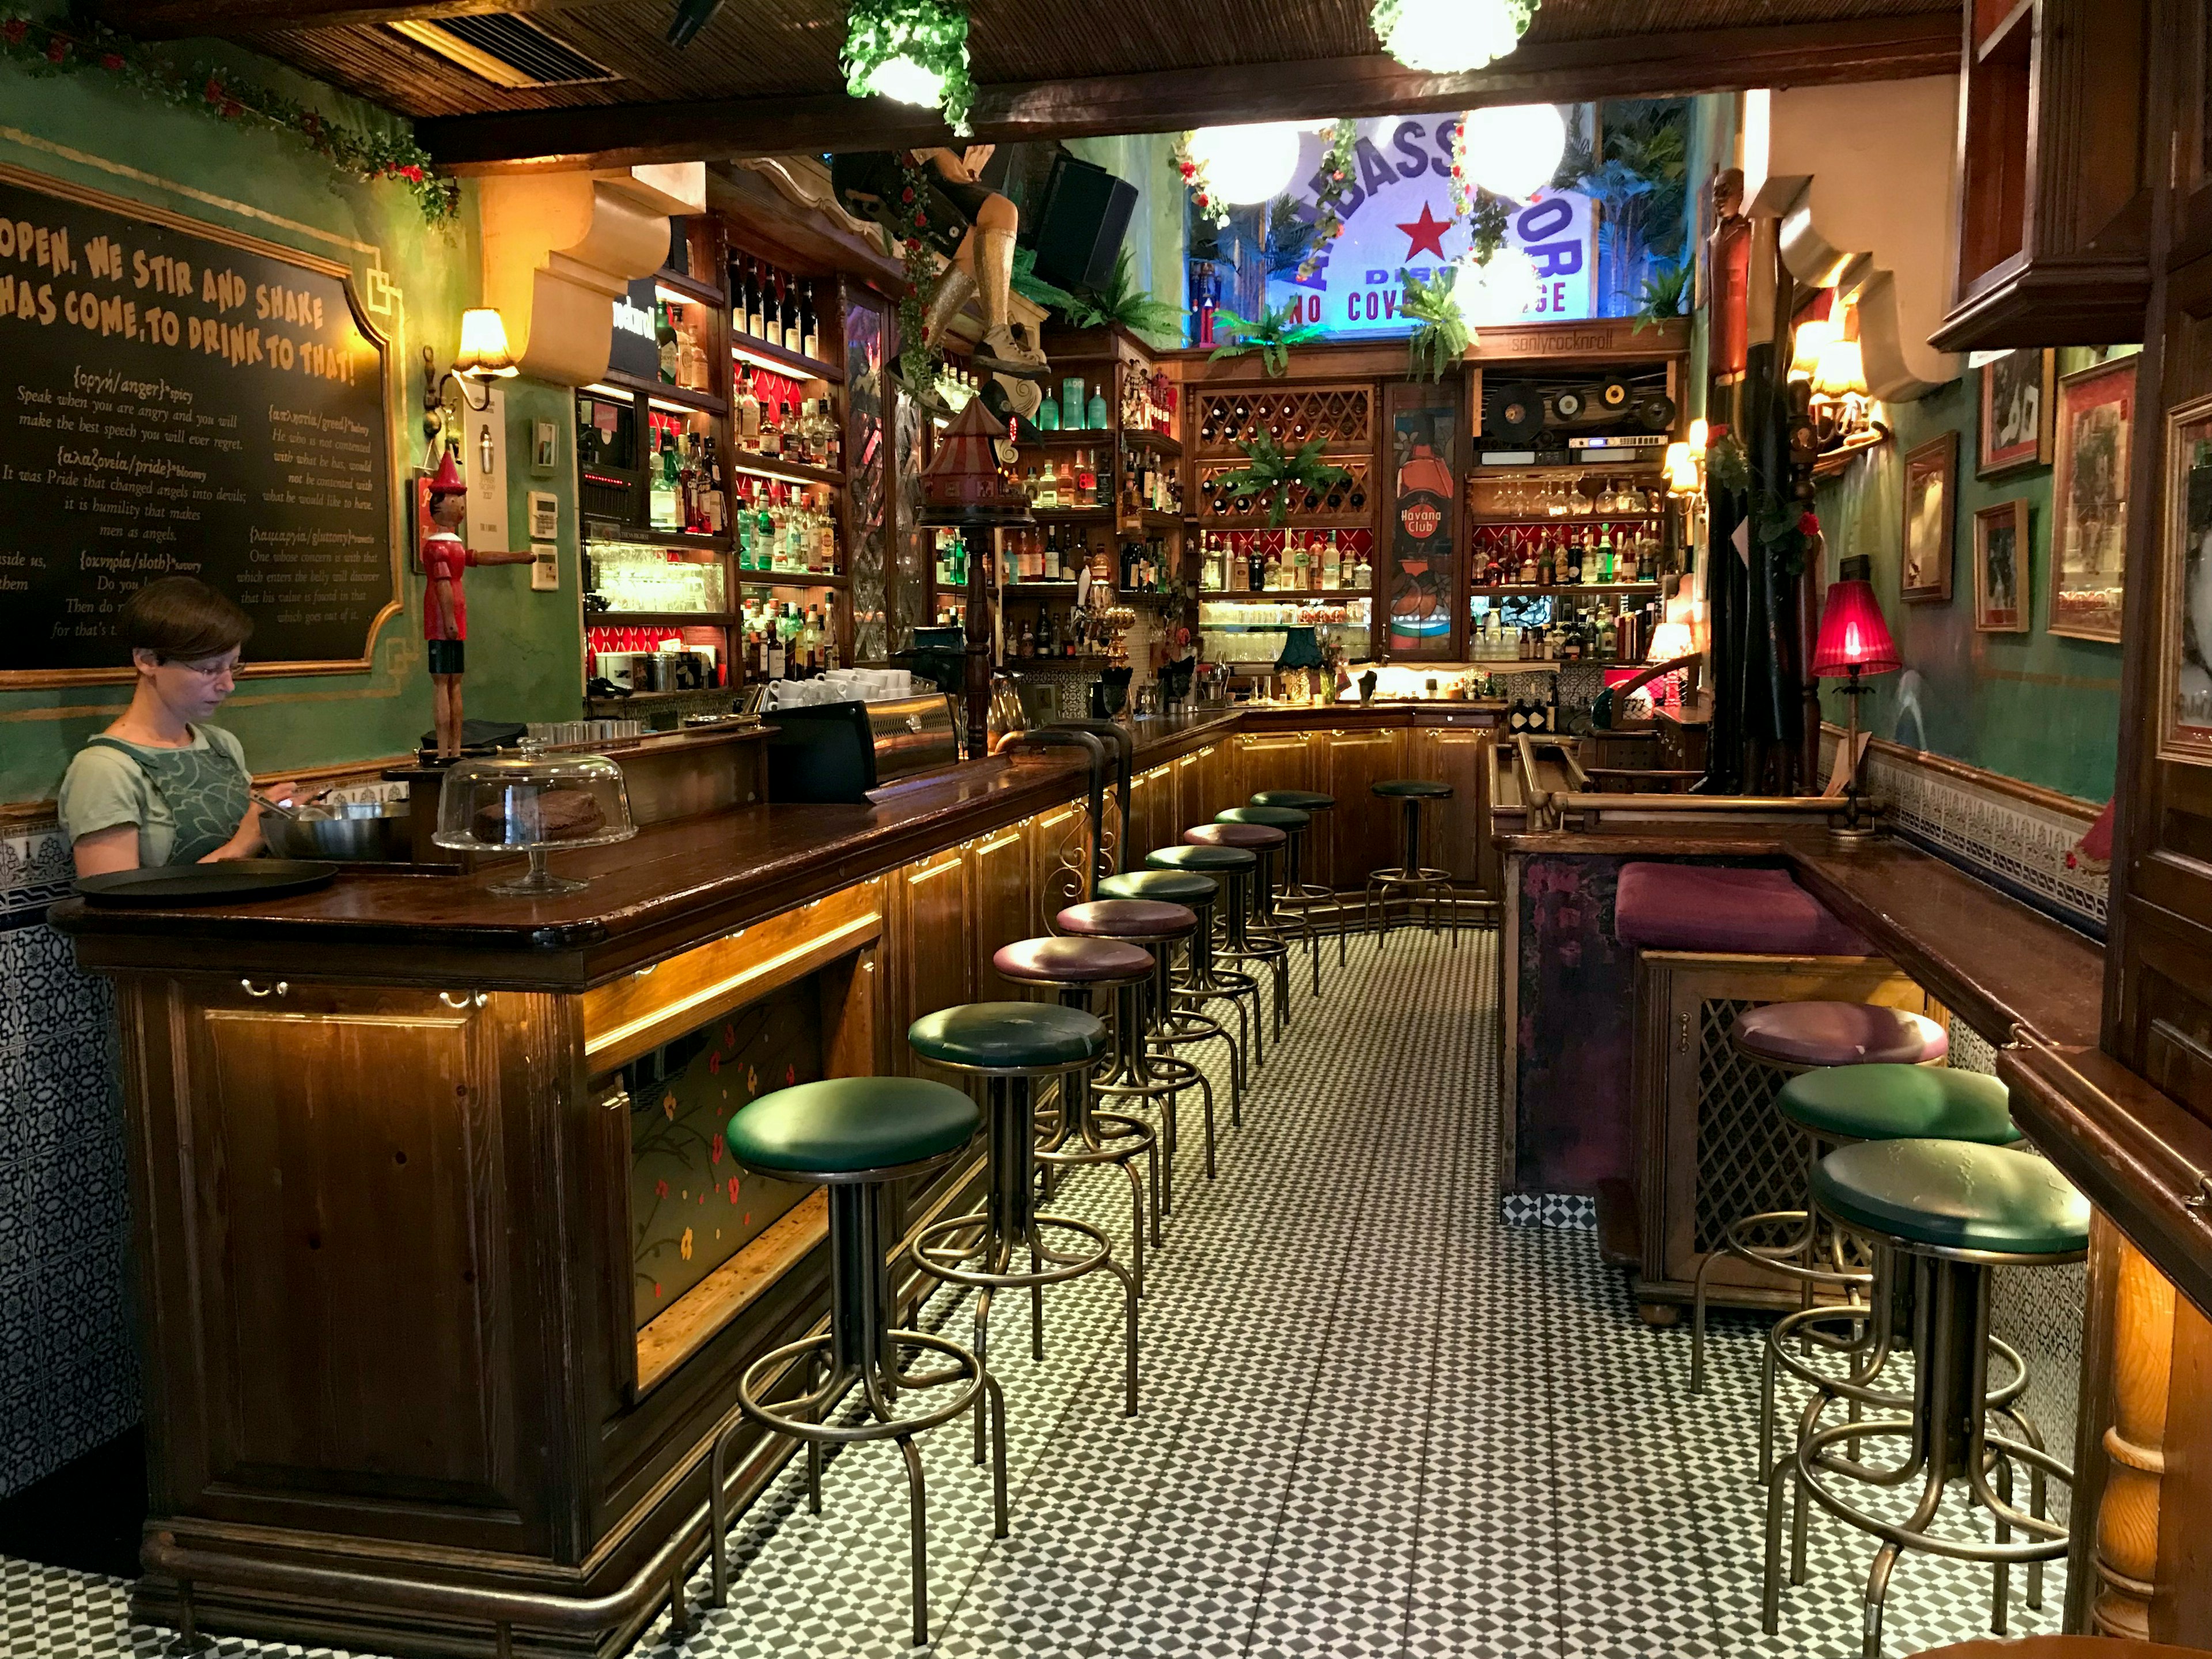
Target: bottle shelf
1073	514
1540	590
745	349
689	288
1159	443
1150	518
1565	521
1069	437
775	466
676	396
1273	595
791	579
602	531
657	618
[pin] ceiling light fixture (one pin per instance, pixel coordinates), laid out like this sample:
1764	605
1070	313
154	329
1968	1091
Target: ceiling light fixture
1450	37
1513	149
913	52
1247	164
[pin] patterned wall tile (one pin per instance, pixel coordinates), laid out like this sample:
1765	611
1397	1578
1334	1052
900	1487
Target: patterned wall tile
69	1368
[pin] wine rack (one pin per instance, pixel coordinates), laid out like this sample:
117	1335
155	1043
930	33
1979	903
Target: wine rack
1341	417
1347	503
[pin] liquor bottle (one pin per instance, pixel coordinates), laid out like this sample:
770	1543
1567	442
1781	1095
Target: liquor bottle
751	321
1604	573
1532	572
1044	640
749	410
771	434
1275	573
1029	639
1048	487
1573	574
1362	575
1094	411
1301	570
1332	564
1086	480
773	668
784	330
1064	481
717	498
810	325
665	336
1048	415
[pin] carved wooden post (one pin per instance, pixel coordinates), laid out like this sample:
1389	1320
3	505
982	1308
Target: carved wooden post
2127	1515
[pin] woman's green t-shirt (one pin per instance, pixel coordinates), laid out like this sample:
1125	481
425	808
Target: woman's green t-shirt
104	786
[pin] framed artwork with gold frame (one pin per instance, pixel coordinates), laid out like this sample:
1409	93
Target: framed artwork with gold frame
2019	411
2184	611
1931	498
2089	501
2000	568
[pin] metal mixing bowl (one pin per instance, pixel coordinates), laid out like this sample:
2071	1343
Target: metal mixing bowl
375	831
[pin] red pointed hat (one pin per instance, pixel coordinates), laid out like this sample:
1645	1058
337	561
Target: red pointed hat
447	480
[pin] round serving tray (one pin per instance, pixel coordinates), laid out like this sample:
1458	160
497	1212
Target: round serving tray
228	882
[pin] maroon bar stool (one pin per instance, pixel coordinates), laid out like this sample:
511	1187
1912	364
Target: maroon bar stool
1137	1069
1076	968
1803	1037
1244	908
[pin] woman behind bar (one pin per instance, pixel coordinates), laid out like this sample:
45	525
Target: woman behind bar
158	787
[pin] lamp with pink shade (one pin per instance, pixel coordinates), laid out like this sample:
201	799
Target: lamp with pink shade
1854	640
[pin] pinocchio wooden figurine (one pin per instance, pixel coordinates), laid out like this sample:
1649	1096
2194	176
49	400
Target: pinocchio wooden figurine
446	562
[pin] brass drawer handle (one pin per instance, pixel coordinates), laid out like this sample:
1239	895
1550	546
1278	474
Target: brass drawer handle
276	990
466	1000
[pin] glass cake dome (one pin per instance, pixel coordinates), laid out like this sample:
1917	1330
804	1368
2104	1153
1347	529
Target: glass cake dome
533	802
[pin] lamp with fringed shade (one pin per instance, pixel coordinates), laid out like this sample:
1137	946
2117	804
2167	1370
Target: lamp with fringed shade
1854	641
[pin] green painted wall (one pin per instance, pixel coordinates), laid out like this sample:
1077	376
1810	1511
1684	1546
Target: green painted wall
526	647
2032	706
1157	239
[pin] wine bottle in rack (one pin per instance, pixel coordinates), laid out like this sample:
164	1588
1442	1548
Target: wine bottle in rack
810	331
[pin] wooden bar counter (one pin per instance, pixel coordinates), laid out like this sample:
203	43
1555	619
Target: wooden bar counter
411	1384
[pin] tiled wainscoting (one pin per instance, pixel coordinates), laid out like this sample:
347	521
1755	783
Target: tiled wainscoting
69	1372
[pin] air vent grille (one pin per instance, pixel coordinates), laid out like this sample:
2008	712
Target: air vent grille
513	51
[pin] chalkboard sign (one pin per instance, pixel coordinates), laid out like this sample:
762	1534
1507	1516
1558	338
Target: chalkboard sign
181	399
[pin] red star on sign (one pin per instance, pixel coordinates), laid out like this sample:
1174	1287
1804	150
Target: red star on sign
1426	231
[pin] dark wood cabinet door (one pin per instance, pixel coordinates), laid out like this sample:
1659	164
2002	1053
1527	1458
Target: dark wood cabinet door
2159	999
1460	757
929	945
998	900
1364	829
1282	760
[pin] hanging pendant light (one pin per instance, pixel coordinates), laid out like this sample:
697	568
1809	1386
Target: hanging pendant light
1499	291
914	52
1247	164
1450	37
1513	149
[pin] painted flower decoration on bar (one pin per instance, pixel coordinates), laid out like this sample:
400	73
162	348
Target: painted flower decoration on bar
913	50
371	156
1450	37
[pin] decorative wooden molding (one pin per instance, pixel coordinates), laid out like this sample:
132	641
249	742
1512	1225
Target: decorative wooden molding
560	247
1835	162
2033	795
1613	66
2127	1513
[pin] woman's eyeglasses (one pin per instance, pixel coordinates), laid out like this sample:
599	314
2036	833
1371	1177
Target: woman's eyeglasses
213	669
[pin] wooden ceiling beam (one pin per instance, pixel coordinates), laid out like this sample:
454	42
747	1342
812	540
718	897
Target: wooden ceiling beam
1620	66
173	19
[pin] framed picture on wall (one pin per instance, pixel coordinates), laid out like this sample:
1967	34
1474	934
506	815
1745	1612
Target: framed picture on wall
2185	650
1931	492
2089	501
2020	407
2000	568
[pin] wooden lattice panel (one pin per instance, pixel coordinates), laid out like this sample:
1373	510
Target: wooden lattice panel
1749	1159
1350	502
1342	417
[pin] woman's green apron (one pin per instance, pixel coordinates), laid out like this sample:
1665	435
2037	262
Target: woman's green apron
206	792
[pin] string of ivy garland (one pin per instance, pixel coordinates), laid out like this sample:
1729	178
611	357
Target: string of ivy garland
927	32
919	355
1335	189
1193	170
95	49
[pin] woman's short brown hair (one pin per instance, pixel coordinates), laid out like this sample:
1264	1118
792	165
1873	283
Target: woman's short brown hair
182	618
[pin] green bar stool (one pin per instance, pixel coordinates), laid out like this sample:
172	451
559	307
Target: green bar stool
1792	1037
1075	969
1419	883
1951	1210
1013	1045
1271	915
853	1136
1186	1021
1842	1106
1143	1069
1207	981
1295	888
1240	939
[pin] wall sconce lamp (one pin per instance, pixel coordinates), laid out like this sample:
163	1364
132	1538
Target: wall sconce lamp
484	356
1685	462
1827	356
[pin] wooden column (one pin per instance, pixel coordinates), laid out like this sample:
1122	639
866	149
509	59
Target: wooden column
2126	1555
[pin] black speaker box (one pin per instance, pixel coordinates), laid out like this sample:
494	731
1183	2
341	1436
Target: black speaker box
1079	227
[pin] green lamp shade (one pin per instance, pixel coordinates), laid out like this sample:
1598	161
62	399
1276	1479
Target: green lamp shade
1300	649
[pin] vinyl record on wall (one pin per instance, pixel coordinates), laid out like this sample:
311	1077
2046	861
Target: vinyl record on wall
1520	412
1567	405
1612	396
1656	412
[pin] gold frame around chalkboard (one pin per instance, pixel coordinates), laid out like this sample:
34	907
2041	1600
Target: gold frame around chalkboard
389	385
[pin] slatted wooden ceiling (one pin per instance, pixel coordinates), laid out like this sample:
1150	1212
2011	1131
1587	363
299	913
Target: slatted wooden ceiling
756	52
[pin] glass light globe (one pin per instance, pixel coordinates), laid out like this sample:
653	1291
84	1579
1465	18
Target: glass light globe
1513	149
1447	37
908	82
1493	295
1247	164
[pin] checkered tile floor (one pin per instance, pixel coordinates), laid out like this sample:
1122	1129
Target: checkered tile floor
1376	1422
